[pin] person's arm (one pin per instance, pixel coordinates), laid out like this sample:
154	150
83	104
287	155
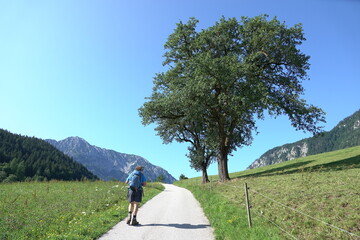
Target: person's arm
143	180
127	179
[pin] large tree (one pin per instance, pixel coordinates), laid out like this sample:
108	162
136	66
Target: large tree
192	131
227	76
200	159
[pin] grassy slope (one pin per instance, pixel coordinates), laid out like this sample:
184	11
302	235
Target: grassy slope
63	210
324	186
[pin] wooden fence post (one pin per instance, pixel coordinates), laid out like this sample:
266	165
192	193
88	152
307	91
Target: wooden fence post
247	205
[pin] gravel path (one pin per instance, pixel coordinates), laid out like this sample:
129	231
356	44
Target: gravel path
173	214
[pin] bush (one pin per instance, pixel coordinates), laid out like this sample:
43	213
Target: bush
10	178
182	177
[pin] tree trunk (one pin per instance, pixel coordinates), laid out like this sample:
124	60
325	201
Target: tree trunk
223	149
205	177
223	165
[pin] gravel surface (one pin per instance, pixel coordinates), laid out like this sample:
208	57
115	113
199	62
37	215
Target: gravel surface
174	214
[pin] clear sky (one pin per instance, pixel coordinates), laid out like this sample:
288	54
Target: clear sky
83	68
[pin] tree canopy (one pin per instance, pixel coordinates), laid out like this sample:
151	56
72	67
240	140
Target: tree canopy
220	80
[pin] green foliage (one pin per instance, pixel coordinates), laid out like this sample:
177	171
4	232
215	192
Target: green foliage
221	79
160	178
346	134
63	210
183	177
323	186
28	158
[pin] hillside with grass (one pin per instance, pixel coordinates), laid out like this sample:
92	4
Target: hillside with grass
315	197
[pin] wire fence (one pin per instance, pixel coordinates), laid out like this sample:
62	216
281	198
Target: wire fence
276	225
259	213
262	216
307	215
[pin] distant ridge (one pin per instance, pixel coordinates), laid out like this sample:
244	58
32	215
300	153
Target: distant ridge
345	134
108	164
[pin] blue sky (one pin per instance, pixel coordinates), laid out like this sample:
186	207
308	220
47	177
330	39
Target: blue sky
83	68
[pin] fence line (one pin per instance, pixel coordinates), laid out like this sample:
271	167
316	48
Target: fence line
259	215
235	201
292	236
328	224
283	205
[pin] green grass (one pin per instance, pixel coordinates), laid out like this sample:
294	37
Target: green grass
63	210
325	187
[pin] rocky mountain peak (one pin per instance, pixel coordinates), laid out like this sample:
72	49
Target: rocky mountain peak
76	142
108	164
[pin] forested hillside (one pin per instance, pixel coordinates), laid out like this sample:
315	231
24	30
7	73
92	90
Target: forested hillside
344	135
28	158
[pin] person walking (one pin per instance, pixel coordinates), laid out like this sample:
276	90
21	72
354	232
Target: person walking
136	181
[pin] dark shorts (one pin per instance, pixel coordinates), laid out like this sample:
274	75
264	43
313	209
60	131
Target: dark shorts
135	196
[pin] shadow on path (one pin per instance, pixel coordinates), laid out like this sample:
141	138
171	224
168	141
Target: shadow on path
176	225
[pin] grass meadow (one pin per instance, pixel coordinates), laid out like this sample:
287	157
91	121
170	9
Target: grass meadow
63	210
316	197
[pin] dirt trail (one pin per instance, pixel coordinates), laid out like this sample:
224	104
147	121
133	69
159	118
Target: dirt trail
173	214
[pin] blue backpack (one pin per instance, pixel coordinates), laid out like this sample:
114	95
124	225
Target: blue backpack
134	182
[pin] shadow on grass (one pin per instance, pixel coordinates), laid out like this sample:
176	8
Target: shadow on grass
348	163
278	170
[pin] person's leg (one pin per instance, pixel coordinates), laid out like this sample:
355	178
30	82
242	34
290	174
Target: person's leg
131	208
133	219
130	196
136	202
136	207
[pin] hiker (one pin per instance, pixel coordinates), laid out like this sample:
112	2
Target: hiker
136	181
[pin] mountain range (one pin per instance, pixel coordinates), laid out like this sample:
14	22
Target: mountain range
345	134
27	158
108	164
